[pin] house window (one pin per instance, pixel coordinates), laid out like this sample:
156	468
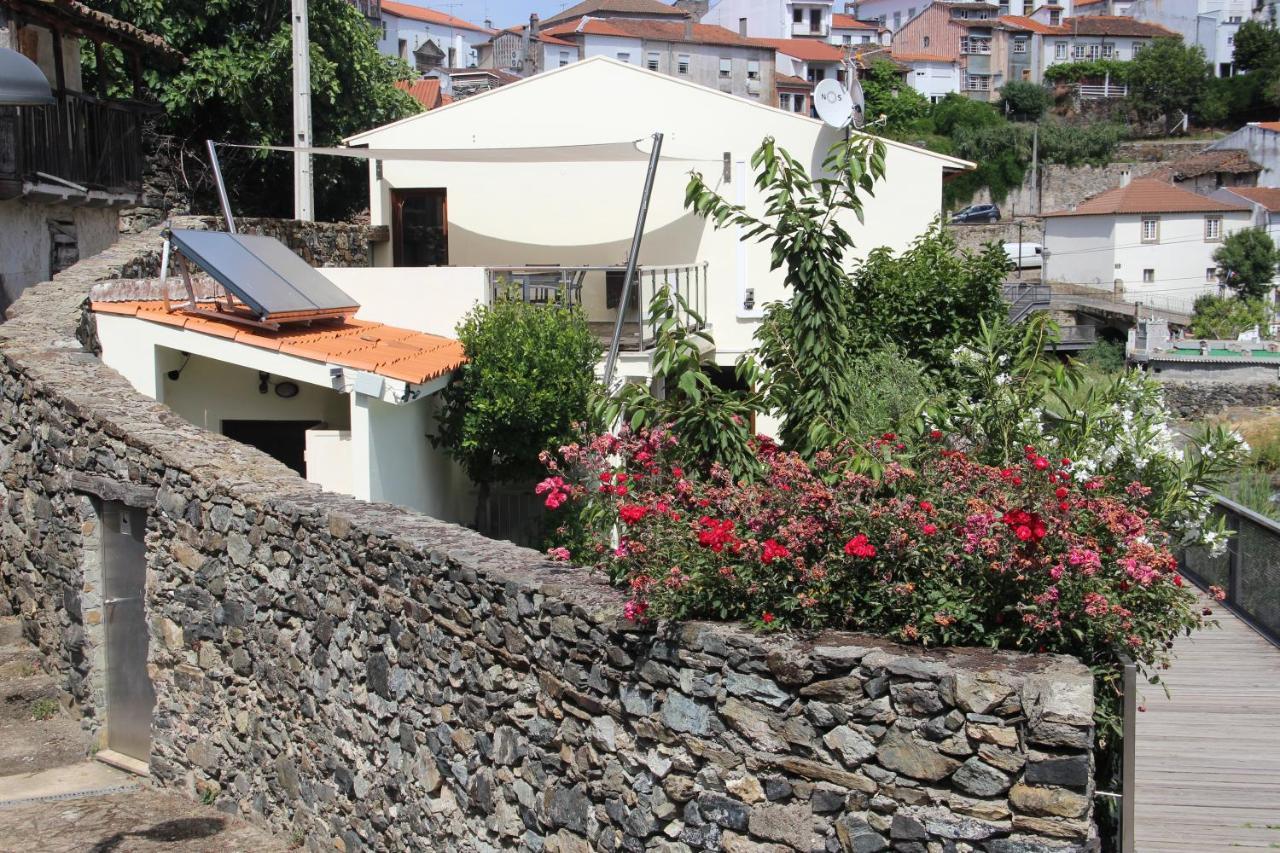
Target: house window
682	63
1094	51
1077	51
1235	19
652	61
1060	50
784	100
402	48
1213	228
815	20
1055	18
977	82
1148	276
726	69
384	29
1019	45
911	13
926	41
1151	229
847	39
797	15
623	56
564	58
1108	51
753	69
1211	275
897	21
1137	47
797	103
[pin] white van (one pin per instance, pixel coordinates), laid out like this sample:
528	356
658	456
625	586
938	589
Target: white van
1025	255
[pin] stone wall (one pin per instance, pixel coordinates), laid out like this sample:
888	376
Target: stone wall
1202	399
360	676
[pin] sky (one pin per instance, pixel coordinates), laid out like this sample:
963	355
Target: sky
503	13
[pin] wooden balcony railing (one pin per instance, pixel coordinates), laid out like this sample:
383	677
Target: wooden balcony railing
79	140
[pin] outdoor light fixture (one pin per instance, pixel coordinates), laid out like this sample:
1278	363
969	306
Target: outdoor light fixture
286	389
175	375
264	383
22	83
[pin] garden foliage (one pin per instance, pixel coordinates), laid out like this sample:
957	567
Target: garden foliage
1248	260
1225	317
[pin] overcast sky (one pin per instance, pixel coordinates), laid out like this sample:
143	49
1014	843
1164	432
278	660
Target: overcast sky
503	13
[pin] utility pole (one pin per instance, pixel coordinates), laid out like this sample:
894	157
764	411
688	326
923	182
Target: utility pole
303	195
1019	248
1035	164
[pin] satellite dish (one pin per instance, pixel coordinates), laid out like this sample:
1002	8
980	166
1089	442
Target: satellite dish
859	103
22	83
833	103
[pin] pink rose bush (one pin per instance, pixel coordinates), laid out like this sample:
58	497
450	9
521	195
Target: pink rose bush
936	549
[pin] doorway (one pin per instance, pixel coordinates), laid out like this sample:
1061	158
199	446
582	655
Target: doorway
420	227
130	696
282	440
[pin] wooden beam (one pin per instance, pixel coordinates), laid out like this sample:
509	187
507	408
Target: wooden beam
100	65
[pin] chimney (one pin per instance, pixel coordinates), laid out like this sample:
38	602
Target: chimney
533	25
1126	175
688	27
488	24
742	27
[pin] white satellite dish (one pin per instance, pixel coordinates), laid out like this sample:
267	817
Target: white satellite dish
833	103
859	103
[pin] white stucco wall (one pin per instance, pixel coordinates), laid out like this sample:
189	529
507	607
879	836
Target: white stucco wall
461	42
1080	250
26	242
426	299
584	213
934	79
765	18
1263	147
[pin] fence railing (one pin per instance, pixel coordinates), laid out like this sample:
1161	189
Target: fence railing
1026	299
1106	90
1249	569
80	139
1077	335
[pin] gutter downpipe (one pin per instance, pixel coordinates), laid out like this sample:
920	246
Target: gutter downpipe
633	257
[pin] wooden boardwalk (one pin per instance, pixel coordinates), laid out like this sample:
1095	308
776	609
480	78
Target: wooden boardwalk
1208	756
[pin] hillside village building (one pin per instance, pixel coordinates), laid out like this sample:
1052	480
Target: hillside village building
1211	24
1260	141
774	19
426	38
1147	241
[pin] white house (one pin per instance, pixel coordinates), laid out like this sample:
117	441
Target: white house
933	76
560	210
848	31
1092	37
427	39
774	19
1148	241
1260	140
1212	24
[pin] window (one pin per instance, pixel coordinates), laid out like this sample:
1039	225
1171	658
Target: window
897	21
815	20
797	15
1060	50
624	56
1212	228
564	58
384	29
1235	19
1077	51
847	39
1137	46
1148	276
977	82
865	40
911	13
753	69
1151	229
926	41
1019	45
403	49
652	61
726	69
975	44
682	63
1211	275
784	100
1055	18
797	103
1108	51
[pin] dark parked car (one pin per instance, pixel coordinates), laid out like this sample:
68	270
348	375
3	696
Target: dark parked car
976	213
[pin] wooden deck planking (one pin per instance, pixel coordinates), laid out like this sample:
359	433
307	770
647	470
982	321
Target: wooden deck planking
1208	755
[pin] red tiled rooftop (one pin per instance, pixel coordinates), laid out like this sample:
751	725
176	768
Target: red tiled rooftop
849	22
1022	22
1268	197
430	16
634	8
671	31
425	91
1147	195
809	50
1273	126
388	351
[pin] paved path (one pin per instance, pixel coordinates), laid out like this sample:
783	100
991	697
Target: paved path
1208	757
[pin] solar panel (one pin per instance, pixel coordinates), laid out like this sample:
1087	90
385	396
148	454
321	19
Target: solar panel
265	275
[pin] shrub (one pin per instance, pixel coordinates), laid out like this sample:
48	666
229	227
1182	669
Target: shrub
1095	69
1104	357
1225	317
1025	100
1248	260
939	549
1077	145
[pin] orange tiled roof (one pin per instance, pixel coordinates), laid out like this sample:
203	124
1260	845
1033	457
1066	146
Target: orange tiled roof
791	82
618	8
1273	126
1268	197
1022	22
425	91
1147	195
1114	25
430	16
849	22
650	30
388	351
809	50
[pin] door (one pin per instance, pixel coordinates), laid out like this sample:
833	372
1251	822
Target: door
420	227
282	440
130	697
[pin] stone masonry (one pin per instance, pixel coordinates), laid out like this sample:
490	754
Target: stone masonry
369	678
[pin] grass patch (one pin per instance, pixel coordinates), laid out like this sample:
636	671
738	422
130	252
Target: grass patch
44	709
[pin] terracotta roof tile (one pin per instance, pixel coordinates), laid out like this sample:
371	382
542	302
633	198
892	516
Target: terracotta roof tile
390	351
1273	126
430	16
791	82
1113	25
1147	195
809	50
1020	22
425	91
849	22
1268	197
671	31
648	8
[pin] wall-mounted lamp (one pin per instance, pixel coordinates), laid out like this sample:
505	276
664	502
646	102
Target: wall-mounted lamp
286	389
264	382
175	375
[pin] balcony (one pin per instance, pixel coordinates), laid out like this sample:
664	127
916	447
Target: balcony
598	291
78	142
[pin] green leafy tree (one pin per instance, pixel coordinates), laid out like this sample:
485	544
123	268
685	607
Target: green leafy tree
1024	100
236	85
526	388
1080	144
1257	48
1225	317
713	423
807	240
956	111
887	95
1167	77
1248	260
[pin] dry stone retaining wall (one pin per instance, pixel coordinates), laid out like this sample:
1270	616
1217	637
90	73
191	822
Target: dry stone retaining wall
1198	399
369	678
